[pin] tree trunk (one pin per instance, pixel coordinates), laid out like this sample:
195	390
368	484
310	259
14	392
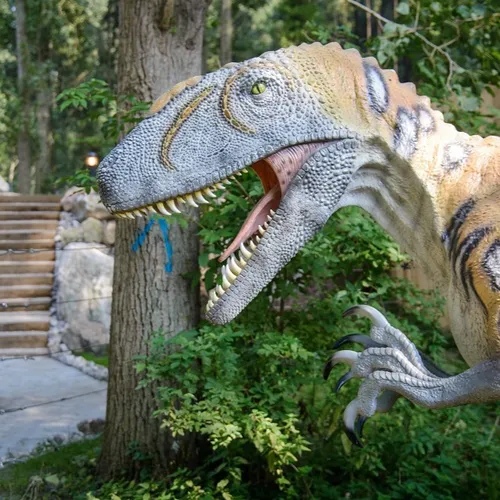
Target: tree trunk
43	114
160	45
226	32
23	138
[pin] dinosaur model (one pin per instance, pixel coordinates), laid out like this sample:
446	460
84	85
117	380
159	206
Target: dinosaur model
324	129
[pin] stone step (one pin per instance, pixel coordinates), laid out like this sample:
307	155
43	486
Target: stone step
26	245
30	266
17	304
21	215
44	255
27	234
24	321
17	198
25	291
26	225
23	351
26	279
27	206
22	339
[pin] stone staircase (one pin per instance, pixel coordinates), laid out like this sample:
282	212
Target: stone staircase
26	279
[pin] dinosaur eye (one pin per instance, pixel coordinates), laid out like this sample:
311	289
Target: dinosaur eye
258	88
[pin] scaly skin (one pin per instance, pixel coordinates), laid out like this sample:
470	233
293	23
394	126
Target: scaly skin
325	129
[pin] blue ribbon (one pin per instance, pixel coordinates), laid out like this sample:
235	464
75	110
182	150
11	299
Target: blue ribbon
141	237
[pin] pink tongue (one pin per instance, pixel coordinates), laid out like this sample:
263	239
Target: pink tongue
276	172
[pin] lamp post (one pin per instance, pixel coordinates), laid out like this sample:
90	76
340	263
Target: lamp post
92	162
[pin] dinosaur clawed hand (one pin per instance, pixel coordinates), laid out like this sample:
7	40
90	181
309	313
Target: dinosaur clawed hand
390	366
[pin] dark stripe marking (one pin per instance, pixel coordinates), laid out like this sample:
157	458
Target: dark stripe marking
464	251
457	220
378	94
406	133
491	264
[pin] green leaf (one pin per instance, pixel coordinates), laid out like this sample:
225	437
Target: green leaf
403	8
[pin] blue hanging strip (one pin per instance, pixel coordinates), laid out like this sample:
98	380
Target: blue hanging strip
142	236
168	246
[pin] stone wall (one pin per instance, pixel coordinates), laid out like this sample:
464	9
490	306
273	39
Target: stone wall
84	271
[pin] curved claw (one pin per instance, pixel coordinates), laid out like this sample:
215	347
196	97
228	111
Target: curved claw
360	424
353	438
328	369
377	318
343	380
358	338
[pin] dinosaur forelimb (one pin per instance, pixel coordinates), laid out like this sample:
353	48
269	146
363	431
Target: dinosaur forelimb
391	366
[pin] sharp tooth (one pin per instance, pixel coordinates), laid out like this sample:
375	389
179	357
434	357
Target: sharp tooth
210	304
244	251
199	197
218	185
152	210
233	266
190	201
228	274
144	210
129	215
213	296
219	290
232	177
242	262
245	170
262	231
162	209
238	173
265	225
257	239
225	282
208	192
252	245
137	213
226	181
171	204
272	212
180	199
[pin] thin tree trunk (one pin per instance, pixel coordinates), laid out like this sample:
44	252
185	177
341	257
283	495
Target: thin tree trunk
226	32
23	138
43	115
160	45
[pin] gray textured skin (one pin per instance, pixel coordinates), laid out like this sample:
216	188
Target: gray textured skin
349	170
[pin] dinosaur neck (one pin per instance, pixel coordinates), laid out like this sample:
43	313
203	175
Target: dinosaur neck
398	198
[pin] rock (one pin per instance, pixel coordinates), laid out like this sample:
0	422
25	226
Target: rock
109	233
85	273
92	230
4	185
71	234
84	205
69	197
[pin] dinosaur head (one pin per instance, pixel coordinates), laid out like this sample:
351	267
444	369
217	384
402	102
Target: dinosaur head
293	115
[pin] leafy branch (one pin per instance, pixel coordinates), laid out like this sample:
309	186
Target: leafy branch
405	29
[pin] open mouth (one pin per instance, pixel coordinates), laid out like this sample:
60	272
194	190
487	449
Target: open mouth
275	172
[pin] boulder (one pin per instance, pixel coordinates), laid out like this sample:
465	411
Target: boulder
109	233
71	234
84	286
69	197
92	230
4	185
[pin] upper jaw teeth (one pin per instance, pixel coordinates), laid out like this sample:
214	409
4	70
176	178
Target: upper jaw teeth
235	264
174	205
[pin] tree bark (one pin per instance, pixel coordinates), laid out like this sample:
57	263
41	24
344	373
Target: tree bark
160	44
226	32
23	138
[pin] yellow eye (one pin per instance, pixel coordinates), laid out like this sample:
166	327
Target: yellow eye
258	88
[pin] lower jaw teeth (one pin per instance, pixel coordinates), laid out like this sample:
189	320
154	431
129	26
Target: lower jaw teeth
234	265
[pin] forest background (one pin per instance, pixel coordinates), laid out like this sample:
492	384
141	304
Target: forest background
268	425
